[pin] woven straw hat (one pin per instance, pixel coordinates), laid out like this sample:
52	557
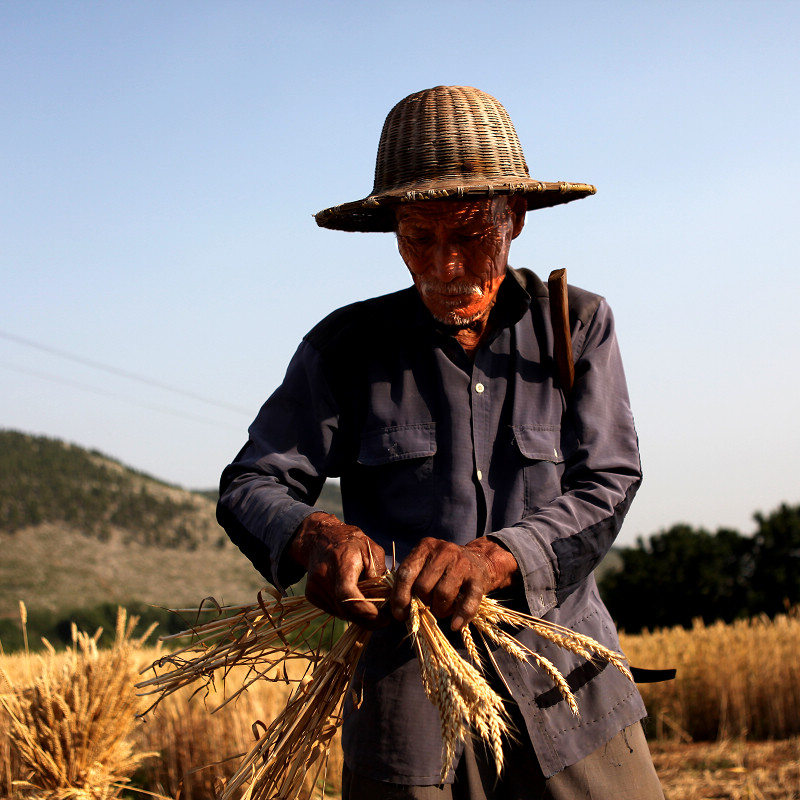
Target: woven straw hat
446	142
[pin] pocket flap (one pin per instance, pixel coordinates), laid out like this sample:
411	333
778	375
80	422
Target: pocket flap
539	442
398	443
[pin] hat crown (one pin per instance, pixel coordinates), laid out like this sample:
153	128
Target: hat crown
447	136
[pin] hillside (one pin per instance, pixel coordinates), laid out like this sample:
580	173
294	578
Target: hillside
78	529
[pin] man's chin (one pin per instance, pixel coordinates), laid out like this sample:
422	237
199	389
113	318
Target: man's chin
455	310
454	319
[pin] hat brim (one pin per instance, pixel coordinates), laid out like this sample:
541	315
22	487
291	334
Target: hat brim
376	212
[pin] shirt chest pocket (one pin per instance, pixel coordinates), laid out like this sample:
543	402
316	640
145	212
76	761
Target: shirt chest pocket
539	442
542	451
396	474
398	443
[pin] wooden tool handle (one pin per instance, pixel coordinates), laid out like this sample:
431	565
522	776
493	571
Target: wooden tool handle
562	337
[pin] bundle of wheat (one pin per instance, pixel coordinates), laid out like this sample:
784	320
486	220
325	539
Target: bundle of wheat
265	635
70	729
459	691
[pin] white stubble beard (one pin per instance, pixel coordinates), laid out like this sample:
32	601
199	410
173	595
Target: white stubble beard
455	288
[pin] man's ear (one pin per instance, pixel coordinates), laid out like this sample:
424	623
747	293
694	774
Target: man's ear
519	205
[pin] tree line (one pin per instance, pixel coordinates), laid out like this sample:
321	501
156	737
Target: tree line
683	573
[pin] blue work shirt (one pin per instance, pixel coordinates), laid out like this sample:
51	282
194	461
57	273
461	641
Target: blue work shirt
428	442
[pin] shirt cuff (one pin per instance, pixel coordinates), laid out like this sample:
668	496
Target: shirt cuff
285	571
535	566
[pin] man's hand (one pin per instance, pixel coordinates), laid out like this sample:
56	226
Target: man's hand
336	556
451	578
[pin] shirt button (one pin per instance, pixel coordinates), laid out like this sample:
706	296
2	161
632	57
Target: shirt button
479	387
480	475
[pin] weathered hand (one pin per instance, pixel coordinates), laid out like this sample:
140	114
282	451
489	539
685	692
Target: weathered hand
336	556
451	578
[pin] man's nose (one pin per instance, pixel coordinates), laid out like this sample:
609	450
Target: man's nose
447	263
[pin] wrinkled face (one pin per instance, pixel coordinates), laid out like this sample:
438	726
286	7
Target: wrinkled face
457	253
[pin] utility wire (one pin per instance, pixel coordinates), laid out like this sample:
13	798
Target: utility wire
121	372
104	393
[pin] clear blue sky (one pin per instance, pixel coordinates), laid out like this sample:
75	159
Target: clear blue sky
161	163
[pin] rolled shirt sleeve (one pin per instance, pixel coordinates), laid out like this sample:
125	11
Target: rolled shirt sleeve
272	485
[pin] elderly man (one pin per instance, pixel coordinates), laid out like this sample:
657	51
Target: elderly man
459	447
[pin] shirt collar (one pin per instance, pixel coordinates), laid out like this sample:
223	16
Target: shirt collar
513	301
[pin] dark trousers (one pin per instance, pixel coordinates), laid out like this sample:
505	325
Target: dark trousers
622	769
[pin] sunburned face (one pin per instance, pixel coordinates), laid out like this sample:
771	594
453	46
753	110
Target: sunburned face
457	253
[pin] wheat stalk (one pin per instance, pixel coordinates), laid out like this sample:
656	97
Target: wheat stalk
266	635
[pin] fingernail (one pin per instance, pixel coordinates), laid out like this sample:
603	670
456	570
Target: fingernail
457	623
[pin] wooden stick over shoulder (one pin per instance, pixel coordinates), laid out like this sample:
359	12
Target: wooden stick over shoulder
562	336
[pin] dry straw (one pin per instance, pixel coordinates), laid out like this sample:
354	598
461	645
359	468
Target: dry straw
70	728
265	636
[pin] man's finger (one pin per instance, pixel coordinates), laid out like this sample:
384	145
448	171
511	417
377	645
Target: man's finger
442	596
317	595
348	604
405	578
364	613
466	605
349	598
347	593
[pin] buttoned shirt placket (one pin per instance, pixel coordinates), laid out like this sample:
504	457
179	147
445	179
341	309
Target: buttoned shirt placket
481	405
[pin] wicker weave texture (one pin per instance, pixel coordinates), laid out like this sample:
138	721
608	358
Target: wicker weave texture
448	136
446	142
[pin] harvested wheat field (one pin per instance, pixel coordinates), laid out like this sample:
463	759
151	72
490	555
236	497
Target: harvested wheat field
729	770
734	681
727	727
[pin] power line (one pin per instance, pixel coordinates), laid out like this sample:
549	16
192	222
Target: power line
104	393
121	372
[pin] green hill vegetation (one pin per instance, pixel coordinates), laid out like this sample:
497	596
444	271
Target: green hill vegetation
46	481
80	533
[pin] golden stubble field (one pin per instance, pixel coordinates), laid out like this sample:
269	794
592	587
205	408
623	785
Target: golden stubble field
727	727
